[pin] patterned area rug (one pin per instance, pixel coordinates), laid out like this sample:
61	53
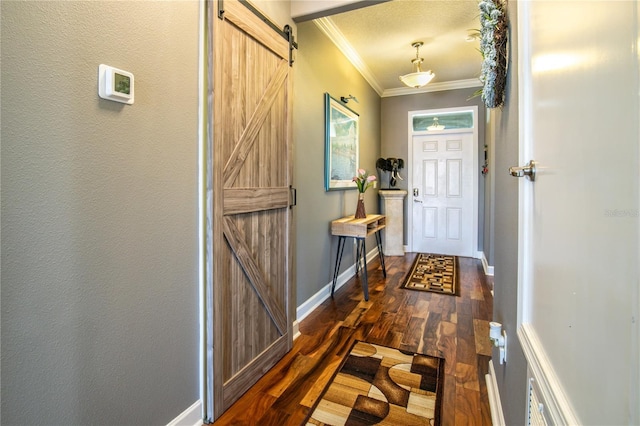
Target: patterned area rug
433	272
382	386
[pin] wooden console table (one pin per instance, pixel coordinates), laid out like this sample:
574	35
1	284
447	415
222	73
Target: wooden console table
359	229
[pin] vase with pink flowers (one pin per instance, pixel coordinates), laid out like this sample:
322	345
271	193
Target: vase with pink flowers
364	181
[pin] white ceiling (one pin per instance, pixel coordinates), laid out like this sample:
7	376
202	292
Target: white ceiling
377	39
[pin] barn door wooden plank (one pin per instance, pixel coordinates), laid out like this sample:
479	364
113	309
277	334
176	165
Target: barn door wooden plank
244	145
253	295
243	254
251	24
247	200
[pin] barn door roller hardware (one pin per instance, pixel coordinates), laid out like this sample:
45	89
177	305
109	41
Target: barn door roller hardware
286	32
293	196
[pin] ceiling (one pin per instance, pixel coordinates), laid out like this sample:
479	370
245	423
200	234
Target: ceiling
377	39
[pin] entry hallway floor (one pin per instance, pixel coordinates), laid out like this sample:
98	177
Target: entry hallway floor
455	328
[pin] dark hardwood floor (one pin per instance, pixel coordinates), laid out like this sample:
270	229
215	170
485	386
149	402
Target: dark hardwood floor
454	328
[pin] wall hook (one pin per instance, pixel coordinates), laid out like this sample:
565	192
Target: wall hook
346	100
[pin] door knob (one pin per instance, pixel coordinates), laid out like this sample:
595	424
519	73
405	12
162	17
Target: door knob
529	171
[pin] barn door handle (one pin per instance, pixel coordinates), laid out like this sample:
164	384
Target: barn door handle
293	196
529	171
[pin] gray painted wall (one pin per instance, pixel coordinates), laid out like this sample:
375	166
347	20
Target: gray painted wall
320	67
99	214
511	377
278	11
394	133
489	187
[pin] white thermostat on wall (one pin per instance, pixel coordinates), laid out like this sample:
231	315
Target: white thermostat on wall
115	85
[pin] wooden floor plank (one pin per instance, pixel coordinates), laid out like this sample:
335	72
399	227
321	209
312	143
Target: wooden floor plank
448	413
468	411
481	334
452	327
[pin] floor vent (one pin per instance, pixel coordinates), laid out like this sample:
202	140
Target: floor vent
536	412
547	402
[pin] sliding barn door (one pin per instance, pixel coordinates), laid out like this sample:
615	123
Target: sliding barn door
253	300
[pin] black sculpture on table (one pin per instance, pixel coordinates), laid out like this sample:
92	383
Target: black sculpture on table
392	165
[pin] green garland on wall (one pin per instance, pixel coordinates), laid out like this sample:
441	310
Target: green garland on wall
493	46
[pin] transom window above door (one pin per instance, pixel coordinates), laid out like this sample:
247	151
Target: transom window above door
442	121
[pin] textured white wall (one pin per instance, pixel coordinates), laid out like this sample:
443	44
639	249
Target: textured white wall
99	213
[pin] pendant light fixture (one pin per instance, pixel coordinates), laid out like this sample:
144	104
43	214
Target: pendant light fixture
436	125
418	78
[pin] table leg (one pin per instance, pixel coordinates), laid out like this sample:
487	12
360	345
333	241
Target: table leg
357	241
362	251
381	254
341	241
358	255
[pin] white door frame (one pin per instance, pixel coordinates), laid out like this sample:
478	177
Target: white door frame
411	133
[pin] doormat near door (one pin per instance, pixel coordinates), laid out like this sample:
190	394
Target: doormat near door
382	386
433	272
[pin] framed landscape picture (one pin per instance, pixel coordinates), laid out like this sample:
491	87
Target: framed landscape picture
341	145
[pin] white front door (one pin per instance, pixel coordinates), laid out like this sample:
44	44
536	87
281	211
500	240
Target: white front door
579	106
442	197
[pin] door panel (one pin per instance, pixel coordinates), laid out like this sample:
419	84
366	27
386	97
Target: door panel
252	289
454	178
443	211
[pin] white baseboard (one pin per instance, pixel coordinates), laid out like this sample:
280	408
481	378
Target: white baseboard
495	404
192	416
325	292
296	329
551	393
488	270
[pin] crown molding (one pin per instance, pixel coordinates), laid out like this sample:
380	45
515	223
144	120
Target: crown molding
327	26
433	87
